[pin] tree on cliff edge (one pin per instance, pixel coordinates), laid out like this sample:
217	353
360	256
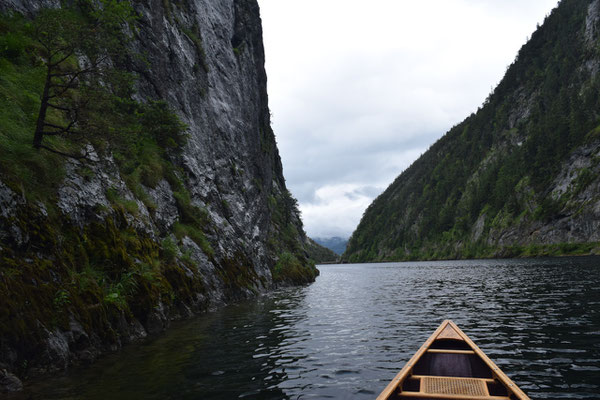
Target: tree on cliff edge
79	46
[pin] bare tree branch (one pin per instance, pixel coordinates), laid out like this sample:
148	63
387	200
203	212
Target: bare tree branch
59	107
55	133
65	89
61	128
54	64
74	156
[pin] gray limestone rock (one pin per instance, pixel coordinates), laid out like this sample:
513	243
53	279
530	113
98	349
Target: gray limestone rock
165	214
27	6
158	319
9	382
9	201
57	353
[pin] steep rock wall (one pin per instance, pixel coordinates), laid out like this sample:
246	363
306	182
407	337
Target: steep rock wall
205	58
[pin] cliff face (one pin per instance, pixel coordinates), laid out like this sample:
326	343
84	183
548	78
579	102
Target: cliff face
520	177
100	262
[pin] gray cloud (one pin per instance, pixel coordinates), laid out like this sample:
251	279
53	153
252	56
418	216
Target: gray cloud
360	89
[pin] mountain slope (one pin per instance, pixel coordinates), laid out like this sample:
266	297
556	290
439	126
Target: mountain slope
319	253
100	252
519	176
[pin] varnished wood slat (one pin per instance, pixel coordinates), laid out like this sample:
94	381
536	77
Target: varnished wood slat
448	351
464	387
421	395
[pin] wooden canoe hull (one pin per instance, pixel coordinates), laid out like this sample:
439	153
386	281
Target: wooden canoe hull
450	366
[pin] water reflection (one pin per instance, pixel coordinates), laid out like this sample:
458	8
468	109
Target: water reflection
347	335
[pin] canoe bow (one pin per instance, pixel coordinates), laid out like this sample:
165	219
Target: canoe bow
450	366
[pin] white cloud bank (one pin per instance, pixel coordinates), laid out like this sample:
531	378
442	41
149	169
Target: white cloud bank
359	89
337	204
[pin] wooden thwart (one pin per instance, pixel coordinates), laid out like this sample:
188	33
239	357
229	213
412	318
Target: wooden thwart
455	378
444	351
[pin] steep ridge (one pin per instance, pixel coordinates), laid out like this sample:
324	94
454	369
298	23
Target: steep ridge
520	177
97	253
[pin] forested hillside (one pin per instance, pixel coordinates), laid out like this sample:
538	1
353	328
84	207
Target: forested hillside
517	177
319	253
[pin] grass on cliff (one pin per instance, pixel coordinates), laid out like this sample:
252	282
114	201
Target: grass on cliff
293	265
107	274
139	135
28	171
289	269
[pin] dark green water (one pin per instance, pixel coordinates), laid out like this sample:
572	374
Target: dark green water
347	335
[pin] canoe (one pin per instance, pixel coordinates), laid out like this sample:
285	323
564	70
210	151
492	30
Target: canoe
450	366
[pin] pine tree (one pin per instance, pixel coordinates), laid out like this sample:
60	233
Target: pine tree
80	46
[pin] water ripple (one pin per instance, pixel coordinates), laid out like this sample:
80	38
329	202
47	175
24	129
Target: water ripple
348	334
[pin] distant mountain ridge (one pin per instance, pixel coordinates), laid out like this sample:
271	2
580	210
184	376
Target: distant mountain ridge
336	244
520	177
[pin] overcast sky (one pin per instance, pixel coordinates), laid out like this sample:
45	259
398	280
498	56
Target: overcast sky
360	89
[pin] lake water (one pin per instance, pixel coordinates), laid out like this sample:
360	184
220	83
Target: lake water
348	334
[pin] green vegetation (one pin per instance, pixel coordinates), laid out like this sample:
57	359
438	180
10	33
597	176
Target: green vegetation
139	135
290	269
27	171
105	273
294	265
320	254
495	166
194	35
182	230
78	46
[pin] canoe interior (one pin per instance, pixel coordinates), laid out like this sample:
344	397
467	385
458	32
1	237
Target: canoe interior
458	365
450	366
